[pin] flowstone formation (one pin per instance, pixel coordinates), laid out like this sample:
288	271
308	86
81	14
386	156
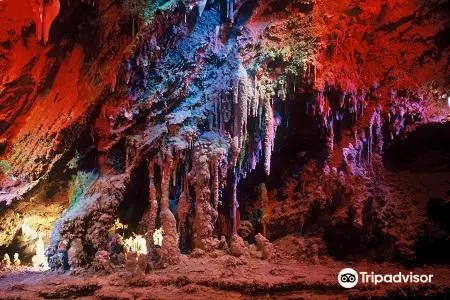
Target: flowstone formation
208	126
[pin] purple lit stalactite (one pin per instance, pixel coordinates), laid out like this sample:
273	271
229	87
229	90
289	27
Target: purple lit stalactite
269	135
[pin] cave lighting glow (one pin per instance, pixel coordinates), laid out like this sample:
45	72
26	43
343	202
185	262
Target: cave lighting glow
136	243
158	237
40	260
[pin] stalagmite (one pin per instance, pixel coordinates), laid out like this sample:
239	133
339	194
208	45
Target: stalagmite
170	251
183	208
215	170
264	206
39	259
16	260
235	205
153	206
199	177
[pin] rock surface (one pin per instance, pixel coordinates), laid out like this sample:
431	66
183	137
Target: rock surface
245	120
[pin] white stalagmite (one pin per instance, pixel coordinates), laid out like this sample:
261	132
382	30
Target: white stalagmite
40	259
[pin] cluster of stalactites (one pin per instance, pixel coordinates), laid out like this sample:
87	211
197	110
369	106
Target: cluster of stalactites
207	162
255	98
351	104
358	155
404	109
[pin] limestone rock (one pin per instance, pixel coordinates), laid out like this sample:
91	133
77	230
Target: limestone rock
75	253
101	261
237	246
197	253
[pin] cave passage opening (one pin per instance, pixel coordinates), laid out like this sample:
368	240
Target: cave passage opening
135	202
420	163
299	139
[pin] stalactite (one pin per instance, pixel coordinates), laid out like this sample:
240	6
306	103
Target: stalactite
342	97
244	96
359	149
201	6
320	102
269	134
230	10
376	125
330	138
355	106
216	39
128	70
375	128
45	13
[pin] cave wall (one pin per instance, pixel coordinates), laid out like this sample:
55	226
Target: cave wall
200	95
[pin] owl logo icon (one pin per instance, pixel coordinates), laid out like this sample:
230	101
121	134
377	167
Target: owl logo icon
348	278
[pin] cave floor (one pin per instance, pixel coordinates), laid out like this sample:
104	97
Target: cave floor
223	277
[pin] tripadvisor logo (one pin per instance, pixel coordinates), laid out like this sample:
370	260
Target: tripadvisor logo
348	278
